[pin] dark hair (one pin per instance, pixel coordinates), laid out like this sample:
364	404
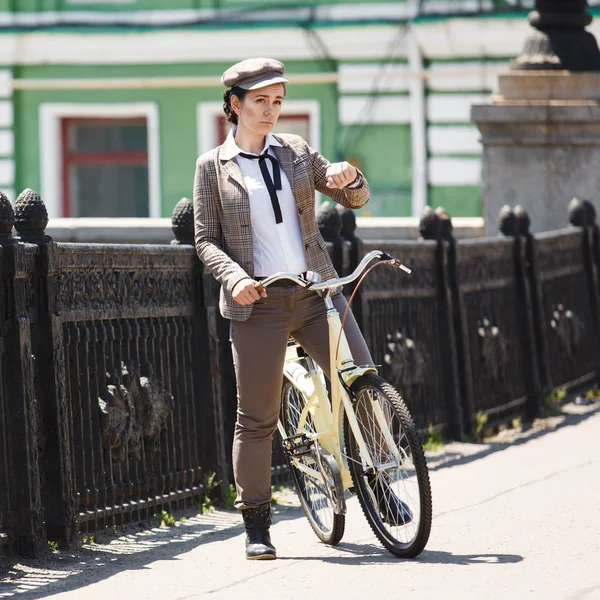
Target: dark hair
235	91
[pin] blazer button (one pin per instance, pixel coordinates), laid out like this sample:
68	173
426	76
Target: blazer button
306	246
300	211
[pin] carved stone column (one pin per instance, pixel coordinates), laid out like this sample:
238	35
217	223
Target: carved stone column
541	131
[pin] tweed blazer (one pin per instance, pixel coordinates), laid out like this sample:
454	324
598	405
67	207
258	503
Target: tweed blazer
223	231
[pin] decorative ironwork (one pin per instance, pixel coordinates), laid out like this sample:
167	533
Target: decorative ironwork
582	213
132	407
523	220
569	328
430	225
7	216
182	222
329	221
508	223
156	404
98	288
31	216
406	361
455	337
446	227
348	223
492	349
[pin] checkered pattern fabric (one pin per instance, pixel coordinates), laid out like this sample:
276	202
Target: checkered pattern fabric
223	231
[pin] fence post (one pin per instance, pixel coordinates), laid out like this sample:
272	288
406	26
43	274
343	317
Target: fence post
56	456
25	515
583	214
515	223
329	220
437	225
207	342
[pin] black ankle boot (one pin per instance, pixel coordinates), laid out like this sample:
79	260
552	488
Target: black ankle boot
392	510
258	540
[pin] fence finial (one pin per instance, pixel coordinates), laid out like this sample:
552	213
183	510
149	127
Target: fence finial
523	220
581	213
430	225
329	221
348	222
31	216
446	227
507	221
7	217
182	222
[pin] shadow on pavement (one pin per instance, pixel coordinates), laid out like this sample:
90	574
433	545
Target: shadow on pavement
452	458
369	554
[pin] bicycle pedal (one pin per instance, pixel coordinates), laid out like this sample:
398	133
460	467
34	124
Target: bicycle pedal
298	445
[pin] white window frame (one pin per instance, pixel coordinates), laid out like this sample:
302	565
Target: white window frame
207	114
51	115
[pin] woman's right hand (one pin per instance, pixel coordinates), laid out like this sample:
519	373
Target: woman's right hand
244	292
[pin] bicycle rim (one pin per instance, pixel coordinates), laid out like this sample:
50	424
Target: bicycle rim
315	498
395	493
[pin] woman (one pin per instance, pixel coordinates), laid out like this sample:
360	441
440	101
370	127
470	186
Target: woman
254	216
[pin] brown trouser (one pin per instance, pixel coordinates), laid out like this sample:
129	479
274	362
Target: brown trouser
259	345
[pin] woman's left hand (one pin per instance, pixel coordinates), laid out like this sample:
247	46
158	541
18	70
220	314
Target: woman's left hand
339	175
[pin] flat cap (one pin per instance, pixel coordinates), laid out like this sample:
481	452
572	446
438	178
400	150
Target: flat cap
254	73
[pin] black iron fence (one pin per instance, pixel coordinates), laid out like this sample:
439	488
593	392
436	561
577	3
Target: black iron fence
110	406
118	394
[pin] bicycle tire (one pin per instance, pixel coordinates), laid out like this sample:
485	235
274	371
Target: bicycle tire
316	503
385	502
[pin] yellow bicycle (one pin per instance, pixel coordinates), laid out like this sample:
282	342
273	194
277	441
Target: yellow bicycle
358	437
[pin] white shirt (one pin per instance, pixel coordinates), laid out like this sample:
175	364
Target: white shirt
276	246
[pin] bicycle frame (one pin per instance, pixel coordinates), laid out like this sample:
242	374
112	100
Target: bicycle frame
327	414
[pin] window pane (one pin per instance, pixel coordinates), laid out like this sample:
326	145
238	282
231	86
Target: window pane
109	190
104	136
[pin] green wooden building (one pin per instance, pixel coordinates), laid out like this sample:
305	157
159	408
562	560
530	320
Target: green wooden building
105	104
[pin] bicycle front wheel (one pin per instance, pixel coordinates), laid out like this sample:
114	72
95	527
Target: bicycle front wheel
389	471
317	495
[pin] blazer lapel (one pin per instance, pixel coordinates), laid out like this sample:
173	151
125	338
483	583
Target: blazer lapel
227	154
234	172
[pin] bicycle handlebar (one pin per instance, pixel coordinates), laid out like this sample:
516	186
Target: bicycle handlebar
312	280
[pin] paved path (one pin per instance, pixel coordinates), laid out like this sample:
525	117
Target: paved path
513	520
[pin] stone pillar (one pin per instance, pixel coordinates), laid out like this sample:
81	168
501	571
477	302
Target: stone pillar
541	132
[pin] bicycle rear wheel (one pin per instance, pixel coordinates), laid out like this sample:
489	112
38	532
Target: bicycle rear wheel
394	493
317	499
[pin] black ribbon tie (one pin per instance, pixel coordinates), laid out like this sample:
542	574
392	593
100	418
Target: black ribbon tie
272	186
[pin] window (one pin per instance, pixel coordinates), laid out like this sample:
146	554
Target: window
298	124
105	167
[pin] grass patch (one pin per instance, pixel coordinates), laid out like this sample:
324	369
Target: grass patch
481	420
434	439
274	490
210	484
553	402
593	394
53	546
229	501
88	540
165	519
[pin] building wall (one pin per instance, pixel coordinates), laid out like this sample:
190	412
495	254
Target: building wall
177	110
377	81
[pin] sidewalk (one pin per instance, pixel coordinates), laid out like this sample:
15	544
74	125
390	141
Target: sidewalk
515	518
